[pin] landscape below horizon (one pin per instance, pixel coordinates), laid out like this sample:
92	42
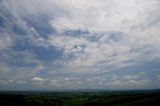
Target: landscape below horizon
81	98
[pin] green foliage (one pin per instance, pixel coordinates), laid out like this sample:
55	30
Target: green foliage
79	99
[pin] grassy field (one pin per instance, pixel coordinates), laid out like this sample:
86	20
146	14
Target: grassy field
80	98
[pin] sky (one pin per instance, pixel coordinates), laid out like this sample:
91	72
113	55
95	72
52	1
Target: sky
79	44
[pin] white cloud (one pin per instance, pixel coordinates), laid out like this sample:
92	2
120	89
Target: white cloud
5	41
39	79
66	42
134	19
158	77
12	82
131	77
137	21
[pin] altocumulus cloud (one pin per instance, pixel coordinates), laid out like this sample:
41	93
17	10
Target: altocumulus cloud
77	44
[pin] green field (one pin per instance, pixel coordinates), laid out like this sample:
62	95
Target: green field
80	98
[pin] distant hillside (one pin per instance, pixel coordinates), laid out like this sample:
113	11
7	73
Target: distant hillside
81	98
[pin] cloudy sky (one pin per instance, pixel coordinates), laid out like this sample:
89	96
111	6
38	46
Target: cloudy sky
79	44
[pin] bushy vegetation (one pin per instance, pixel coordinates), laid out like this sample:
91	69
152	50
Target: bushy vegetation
79	99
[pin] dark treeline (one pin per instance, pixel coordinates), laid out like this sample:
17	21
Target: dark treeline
128	98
